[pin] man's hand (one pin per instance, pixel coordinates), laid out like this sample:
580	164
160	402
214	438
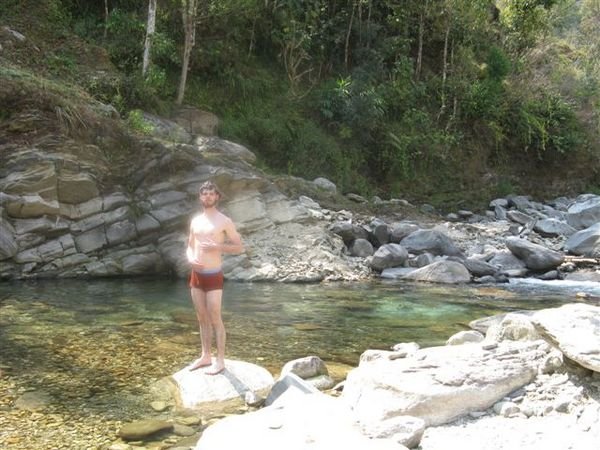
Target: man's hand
209	245
196	265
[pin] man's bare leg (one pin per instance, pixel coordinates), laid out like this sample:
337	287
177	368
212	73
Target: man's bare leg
213	306
199	299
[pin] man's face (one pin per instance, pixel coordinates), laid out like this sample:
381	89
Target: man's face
209	198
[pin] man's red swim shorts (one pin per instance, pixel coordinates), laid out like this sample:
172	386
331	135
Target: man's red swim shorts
209	280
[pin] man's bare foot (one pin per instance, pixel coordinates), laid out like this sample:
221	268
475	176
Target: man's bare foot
201	363
215	370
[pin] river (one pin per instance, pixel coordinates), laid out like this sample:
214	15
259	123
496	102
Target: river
89	349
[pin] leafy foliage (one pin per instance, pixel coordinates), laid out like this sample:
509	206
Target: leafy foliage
375	95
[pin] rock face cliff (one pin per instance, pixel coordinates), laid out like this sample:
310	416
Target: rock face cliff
82	197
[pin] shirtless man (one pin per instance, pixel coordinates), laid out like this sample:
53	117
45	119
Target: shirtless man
211	234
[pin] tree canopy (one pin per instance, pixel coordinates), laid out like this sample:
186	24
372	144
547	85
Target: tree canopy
380	96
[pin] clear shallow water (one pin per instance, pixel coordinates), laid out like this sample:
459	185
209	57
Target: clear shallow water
273	322
91	349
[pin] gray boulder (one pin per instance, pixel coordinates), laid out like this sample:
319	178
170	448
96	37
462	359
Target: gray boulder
478	267
585	212
553	227
349	231
585	242
307	367
380	233
431	241
361	248
450	272
400	230
389	255
533	255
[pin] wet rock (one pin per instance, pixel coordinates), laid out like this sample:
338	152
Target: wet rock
307	367
142	429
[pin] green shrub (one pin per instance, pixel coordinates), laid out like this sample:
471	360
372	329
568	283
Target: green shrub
136	121
548	127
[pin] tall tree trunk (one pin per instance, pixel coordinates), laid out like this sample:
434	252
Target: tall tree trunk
445	68
150	28
347	45
105	19
189	10
420	44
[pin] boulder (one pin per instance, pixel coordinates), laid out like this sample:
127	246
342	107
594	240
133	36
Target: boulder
361	247
514	327
553	227
197	390
506	261
307	367
349	231
388	255
574	329
464	337
380	233
478	267
584	213
431	241
585	242
325	184
535	257
166	129
451	272
440	384
400	230
294	422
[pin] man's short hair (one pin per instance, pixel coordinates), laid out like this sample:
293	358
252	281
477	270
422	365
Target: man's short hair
210	186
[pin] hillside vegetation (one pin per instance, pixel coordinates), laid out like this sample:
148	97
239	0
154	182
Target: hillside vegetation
446	101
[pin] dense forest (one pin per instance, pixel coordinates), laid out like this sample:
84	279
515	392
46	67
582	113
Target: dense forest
425	99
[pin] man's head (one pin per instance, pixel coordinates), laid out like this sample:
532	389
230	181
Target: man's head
209	194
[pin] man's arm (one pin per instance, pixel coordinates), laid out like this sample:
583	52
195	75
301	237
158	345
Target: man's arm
190	250
233	243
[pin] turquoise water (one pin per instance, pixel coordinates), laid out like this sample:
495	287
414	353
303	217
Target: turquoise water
93	348
270	322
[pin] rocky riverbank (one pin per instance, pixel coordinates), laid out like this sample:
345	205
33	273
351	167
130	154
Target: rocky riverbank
529	381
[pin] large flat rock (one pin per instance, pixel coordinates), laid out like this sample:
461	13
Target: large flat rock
196	388
439	384
298	422
575	330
